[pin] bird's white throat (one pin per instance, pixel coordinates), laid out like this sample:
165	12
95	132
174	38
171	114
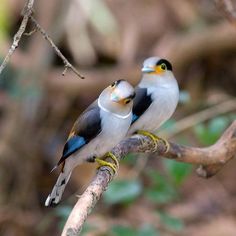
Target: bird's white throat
115	114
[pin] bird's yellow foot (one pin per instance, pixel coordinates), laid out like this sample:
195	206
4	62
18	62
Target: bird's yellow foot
102	162
155	139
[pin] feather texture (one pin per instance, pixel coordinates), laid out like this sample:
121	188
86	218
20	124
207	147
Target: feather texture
86	128
141	103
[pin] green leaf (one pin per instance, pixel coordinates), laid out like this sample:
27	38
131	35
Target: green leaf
161	194
209	134
122	191
178	171
147	230
170	222
119	230
218	125
161	191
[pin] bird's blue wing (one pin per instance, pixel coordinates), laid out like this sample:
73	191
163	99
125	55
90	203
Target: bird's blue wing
86	128
72	145
142	101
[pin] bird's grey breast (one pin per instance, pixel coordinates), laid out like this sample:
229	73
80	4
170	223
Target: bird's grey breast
164	102
114	129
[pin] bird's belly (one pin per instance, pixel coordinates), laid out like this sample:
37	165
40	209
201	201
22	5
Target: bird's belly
159	112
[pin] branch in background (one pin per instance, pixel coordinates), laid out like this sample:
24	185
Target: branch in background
206	114
228	9
27	14
67	64
27	11
213	158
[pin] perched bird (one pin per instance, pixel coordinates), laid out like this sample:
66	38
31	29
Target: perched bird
98	129
157	96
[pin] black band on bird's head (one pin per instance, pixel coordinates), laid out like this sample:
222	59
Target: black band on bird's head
167	63
115	83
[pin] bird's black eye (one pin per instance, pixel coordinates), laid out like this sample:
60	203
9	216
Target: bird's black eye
163	66
113	84
127	100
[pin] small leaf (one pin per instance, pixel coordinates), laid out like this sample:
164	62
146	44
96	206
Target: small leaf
119	230
178	171
122	191
171	222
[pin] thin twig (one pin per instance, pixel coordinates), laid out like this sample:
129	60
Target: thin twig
67	64
218	154
27	12
31	32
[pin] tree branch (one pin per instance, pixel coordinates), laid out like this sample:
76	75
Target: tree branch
27	14
27	11
212	159
67	64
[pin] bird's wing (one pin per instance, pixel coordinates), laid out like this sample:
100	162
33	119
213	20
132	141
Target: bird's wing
141	103
87	127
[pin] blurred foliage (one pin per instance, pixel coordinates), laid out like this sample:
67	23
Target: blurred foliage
4	20
170	222
177	171
100	16
161	190
209	133
122	191
145	230
121	34
184	97
62	212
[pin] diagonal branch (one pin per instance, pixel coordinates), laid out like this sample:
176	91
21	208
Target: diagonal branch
67	64
27	12
212	158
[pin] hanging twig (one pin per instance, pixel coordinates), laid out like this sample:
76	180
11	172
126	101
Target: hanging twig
27	14
67	64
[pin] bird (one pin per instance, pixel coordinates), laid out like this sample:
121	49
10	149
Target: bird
96	131
157	96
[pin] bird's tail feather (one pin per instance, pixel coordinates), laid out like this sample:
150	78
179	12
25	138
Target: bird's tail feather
55	196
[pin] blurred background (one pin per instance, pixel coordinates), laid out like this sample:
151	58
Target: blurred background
108	40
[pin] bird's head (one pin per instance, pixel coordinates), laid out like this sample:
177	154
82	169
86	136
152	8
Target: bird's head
157	71
118	97
156	66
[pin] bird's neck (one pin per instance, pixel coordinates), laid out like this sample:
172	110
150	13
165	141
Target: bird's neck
114	108
167	81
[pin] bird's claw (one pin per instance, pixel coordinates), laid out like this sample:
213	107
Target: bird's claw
114	166
155	139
